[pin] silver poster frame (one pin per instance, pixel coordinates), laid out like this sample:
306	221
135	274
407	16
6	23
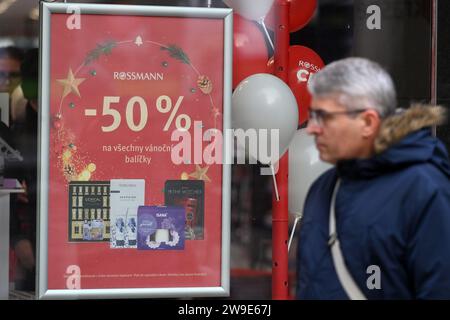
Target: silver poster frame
46	11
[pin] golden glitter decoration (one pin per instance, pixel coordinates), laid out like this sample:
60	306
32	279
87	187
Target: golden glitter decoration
66	155
91	167
184	176
84	176
69	170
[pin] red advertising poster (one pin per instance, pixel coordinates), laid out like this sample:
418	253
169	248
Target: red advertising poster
134	199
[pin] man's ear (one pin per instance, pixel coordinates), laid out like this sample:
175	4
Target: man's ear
371	123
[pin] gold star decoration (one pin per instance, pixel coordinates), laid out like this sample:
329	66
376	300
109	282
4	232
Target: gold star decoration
200	173
71	84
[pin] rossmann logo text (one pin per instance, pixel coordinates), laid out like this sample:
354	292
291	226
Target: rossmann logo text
138	76
308	65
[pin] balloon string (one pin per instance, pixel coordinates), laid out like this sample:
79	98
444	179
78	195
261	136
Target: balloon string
261	22
299	216
275	183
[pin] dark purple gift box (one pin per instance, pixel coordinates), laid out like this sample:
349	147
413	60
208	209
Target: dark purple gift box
161	228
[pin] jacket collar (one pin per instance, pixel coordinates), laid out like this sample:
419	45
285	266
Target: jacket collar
396	127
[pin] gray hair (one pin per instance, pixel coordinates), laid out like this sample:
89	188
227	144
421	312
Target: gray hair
357	83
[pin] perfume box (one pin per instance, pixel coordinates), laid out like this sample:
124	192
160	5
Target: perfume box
161	228
89	216
126	196
189	194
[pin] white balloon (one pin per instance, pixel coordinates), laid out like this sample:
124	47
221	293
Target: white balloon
263	101
250	9
305	167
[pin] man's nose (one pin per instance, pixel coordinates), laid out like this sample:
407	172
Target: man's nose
313	127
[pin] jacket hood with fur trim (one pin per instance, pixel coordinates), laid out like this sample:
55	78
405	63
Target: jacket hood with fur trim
396	127
404	139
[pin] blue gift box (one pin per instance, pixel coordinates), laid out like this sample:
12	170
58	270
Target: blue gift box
161	228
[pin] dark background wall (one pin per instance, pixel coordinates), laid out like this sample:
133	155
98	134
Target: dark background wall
443	66
402	45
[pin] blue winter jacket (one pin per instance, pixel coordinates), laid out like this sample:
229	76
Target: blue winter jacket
393	212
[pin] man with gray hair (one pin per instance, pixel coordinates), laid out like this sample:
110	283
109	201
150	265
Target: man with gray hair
376	225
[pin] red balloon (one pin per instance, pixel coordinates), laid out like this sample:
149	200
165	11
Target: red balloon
300	13
302	63
249	50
